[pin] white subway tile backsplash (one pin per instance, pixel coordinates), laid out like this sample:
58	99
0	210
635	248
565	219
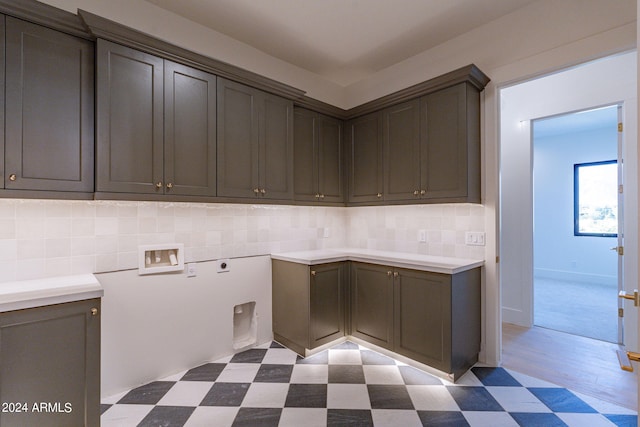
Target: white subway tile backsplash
73	237
31	249
7	228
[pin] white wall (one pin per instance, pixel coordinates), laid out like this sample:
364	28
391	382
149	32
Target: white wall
558	253
157	325
537	28
602	82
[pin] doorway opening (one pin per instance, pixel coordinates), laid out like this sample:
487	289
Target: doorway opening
576	223
610	81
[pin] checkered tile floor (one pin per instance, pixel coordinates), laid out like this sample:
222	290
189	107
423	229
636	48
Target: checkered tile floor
349	385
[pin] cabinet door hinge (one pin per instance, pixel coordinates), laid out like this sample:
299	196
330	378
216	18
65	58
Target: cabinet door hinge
621	312
620	189
620	127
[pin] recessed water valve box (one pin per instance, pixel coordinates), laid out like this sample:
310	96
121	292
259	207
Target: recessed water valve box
160	258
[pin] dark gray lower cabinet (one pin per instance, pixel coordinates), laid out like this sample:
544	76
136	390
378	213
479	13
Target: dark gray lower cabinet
432	318
437	318
308	303
50	365
372	303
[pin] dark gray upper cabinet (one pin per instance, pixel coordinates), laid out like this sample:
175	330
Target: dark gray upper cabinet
318	157
255	143
49	127
189	131
129	120
401	140
156	125
365	159
431	149
450	141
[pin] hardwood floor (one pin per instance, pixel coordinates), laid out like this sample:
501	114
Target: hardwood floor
577	363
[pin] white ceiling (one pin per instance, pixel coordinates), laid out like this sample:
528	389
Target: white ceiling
581	121
343	41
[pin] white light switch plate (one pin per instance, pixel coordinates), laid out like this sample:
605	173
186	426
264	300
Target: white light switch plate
474	238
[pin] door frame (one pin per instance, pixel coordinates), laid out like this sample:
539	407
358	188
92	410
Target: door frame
619	239
515	225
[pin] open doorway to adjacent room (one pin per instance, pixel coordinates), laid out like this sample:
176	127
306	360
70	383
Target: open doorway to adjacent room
578	362
576	223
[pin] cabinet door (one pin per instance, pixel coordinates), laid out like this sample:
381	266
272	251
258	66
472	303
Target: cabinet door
52	355
129	120
365	171
276	147
327	303
330	176
305	168
401	126
190	131
445	155
423	317
372	304
237	140
49	109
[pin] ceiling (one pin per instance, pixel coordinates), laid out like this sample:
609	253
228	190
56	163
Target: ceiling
581	121
343	41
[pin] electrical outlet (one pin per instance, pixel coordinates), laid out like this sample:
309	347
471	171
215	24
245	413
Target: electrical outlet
223	266
325	232
474	238
422	236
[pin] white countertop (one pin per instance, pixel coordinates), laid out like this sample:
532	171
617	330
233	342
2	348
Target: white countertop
435	264
23	294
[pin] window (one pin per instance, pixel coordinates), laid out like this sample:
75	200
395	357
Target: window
596	199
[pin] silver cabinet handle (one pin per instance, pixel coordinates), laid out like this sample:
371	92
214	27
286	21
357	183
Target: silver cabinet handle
13	177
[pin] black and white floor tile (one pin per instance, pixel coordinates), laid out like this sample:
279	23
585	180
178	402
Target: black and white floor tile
350	385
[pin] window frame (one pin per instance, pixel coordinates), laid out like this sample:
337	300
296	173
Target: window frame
576	199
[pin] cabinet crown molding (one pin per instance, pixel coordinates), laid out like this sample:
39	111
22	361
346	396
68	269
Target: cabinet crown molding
45	15
106	29
470	74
